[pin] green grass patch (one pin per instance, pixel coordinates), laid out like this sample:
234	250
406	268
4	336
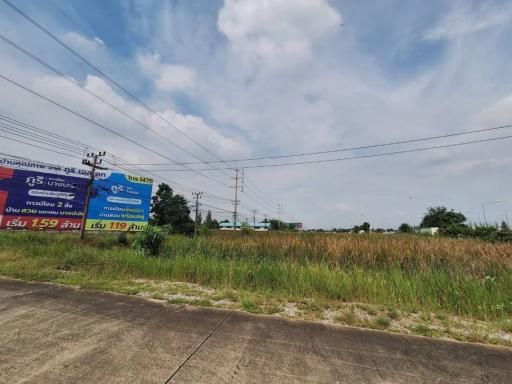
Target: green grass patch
410	273
423	330
250	306
382	323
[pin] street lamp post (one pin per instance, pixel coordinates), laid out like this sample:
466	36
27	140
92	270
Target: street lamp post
483	208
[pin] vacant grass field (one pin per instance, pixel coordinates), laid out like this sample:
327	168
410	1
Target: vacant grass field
403	273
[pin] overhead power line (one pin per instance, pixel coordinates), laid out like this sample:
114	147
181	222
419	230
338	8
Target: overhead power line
97	97
361	156
259	192
73	143
129	70
104	127
40	137
38	146
107	77
259	201
409	141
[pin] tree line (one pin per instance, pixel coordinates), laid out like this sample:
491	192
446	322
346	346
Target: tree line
171	211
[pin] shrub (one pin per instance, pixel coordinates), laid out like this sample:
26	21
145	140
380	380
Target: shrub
167	229
246	231
393	314
122	239
149	241
405	228
456	230
204	230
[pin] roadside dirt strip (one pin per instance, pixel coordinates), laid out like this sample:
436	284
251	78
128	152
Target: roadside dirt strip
56	334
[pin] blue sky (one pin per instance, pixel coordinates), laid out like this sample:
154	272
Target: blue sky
248	78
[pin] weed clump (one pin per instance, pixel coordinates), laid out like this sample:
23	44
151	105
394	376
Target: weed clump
149	241
382	323
122	239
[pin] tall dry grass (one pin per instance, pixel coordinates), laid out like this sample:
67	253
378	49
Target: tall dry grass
368	251
468	277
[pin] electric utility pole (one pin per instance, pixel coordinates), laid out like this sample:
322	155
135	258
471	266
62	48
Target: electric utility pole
254	218
94	165
238	184
280	212
197	196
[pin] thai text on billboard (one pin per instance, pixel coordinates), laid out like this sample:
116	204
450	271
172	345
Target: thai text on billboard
43	196
119	203
40	196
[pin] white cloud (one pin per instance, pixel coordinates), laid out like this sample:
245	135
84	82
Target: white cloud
42	114
463	21
277	77
167	77
273	30
193	126
196	128
82	43
99	41
499	113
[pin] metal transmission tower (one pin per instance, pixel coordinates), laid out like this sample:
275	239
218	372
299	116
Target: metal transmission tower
197	196
280	210
94	164
239	180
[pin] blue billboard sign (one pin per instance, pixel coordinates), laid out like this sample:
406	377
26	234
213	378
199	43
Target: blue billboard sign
119	202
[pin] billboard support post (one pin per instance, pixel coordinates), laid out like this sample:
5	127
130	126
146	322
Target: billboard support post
93	165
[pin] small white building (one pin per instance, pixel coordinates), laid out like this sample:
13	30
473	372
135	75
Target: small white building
432	231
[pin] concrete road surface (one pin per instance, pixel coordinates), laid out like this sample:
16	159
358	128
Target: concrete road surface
56	334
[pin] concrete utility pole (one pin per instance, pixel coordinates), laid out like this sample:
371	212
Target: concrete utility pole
280	212
238	184
254	218
197	196
94	165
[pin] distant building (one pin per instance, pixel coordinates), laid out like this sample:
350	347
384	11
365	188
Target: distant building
432	231
226	226
297	226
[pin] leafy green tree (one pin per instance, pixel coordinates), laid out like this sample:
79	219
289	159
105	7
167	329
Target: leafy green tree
208	221
365	226
441	217
211	223
504	226
405	228
171	209
276	225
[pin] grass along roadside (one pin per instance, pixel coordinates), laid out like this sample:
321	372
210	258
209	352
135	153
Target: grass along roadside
434	287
